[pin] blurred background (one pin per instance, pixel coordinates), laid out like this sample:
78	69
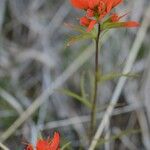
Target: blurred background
35	63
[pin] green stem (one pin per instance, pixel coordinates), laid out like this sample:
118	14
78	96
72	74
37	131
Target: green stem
93	111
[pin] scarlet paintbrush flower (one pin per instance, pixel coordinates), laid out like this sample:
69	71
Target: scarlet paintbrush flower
49	144
96	10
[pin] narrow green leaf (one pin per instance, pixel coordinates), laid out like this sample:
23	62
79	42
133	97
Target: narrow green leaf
102	108
75	27
110	25
91	79
76	96
65	146
111	76
82	84
76	38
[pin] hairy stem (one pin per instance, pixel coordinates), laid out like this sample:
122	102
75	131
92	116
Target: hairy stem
94	101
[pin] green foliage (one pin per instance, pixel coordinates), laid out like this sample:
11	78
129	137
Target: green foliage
111	76
83	34
76	97
110	25
66	146
82	83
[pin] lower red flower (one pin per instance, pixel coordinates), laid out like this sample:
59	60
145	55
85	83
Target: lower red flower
49	144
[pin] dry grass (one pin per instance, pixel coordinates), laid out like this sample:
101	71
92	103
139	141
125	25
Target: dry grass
34	62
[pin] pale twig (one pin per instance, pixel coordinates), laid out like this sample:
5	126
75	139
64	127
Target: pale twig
85	119
3	147
125	140
132	56
107	136
11	100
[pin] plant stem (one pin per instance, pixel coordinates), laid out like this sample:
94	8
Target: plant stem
94	101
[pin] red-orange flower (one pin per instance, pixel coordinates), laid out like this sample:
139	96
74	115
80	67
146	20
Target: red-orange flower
49	144
96	10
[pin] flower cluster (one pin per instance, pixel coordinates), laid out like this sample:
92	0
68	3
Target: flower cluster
96	10
48	144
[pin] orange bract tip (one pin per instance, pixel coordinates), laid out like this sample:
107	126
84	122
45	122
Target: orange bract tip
80	4
114	18
84	21
91	25
54	145
131	24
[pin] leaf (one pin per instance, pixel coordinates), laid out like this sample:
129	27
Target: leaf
111	76
104	33
102	108
120	135
82	36
91	80
82	83
110	25
75	27
76	96
65	146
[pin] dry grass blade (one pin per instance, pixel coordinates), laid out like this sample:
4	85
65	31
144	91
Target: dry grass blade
11	100
3	147
85	119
